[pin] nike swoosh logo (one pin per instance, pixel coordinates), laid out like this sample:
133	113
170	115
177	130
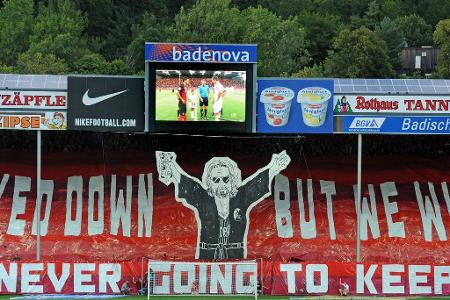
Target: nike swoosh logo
94	100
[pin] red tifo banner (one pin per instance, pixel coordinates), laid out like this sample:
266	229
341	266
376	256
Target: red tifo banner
278	278
127	207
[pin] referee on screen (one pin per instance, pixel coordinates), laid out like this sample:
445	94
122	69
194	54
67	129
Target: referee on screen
203	91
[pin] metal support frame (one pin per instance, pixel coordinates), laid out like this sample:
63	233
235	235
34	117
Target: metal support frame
38	196
358	201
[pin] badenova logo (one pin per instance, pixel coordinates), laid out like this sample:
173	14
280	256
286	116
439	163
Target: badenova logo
366	123
207	55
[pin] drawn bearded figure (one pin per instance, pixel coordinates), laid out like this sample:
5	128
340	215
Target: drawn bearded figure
221	201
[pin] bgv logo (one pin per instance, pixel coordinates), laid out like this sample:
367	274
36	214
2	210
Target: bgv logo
367	123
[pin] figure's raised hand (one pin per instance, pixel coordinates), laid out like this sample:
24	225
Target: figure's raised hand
166	165
279	162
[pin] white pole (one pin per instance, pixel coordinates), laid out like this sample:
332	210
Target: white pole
358	201
142	272
149	286
146	102
38	197
256	280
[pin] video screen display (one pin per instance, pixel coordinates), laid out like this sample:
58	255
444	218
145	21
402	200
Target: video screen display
200	95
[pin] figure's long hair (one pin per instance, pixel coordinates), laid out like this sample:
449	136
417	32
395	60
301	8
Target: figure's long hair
235	174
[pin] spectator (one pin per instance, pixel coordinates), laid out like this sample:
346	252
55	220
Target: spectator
137	285
144	286
125	289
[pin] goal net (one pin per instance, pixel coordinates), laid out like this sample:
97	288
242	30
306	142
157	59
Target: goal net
202	278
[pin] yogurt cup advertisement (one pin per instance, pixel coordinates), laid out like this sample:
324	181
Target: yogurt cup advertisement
295	106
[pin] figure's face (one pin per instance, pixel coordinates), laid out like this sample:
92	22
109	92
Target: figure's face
221	182
203	82
58	121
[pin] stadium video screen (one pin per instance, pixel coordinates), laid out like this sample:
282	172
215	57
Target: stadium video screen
200	95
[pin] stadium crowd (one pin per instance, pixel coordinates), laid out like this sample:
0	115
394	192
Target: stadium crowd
173	83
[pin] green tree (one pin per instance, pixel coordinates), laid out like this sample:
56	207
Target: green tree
390	32
91	63
415	30
392	8
281	43
343	9
210	21
16	19
126	15
118	67
316	71
283	8
433	11
58	30
243	4
6	69
372	16
282	47
150	30
374	13
441	38
360	53
99	15
94	63
320	31
38	63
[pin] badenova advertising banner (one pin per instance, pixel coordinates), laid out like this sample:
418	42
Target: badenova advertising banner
33	110
295	106
204	53
400	114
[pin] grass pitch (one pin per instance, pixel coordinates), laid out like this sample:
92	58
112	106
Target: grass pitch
233	107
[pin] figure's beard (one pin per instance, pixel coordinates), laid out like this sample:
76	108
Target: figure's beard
222	192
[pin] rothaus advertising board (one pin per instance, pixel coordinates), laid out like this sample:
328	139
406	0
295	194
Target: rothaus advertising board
401	114
106	103
33	109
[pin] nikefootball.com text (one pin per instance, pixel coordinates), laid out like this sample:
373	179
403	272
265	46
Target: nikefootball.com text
105	122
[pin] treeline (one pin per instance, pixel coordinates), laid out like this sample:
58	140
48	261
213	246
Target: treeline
306	38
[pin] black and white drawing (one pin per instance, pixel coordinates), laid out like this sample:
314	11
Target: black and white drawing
221	201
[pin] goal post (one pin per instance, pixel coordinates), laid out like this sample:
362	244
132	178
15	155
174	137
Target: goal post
202	278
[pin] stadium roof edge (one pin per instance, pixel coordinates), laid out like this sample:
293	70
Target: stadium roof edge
33	81
45	82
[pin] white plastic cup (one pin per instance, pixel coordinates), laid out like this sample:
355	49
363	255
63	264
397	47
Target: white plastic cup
314	103
277	105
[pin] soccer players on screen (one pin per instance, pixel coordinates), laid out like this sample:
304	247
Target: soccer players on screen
182	99
193	100
219	92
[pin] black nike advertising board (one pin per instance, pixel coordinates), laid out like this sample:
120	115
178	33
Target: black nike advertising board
105	103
